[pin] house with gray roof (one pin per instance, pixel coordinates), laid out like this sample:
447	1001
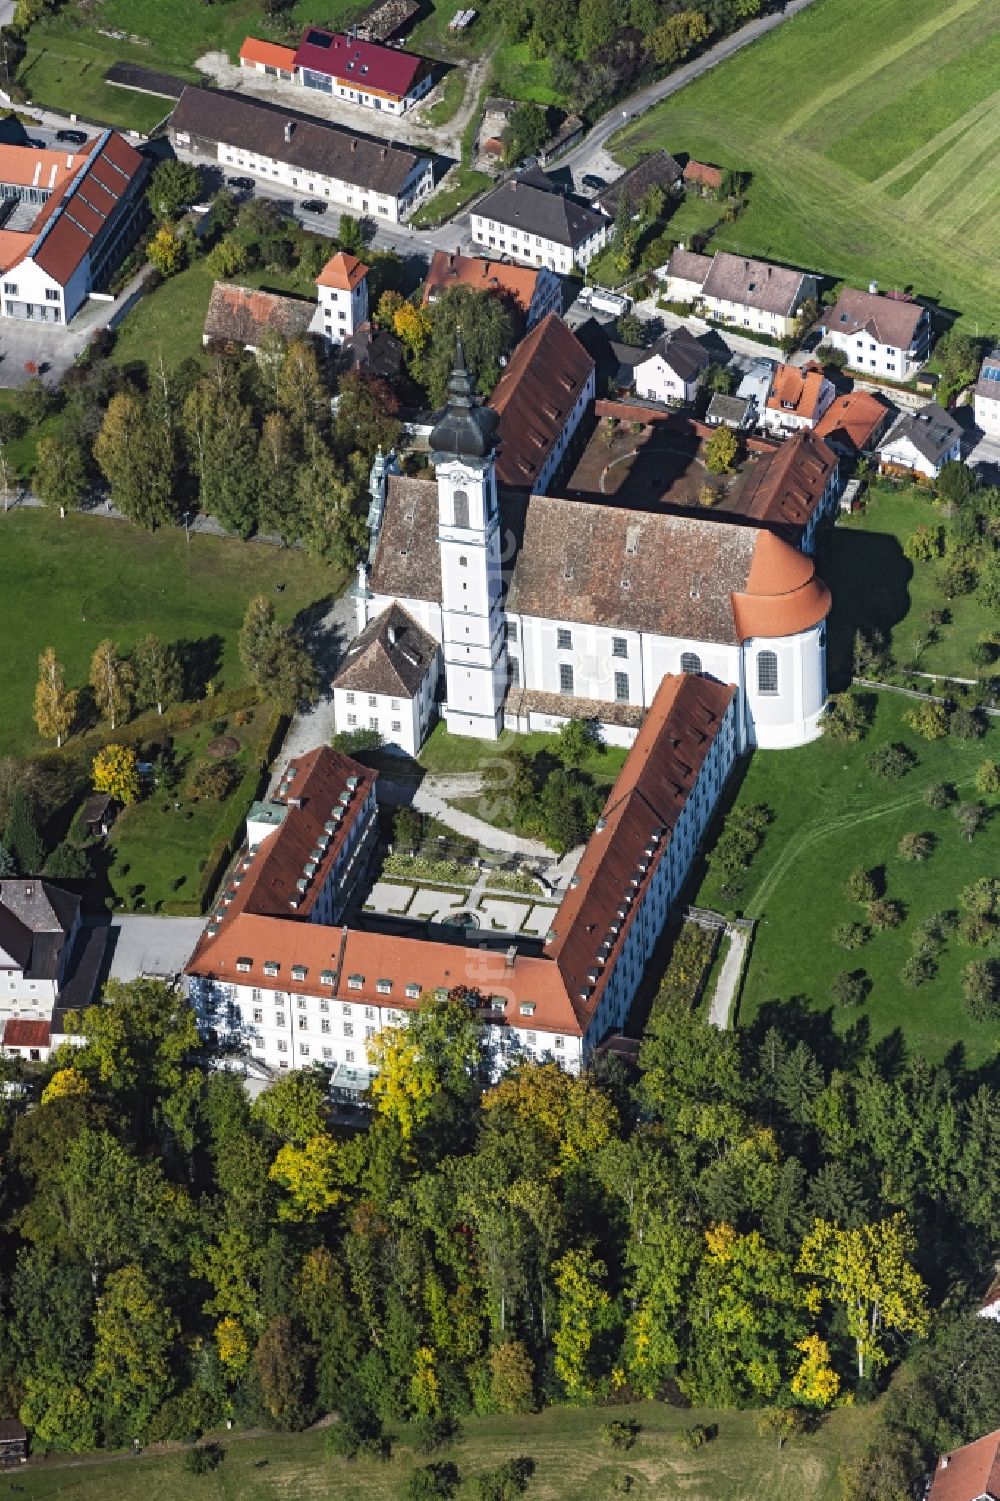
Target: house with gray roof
672	368
388	680
39	924
921	442
537	225
657	170
755	294
880	334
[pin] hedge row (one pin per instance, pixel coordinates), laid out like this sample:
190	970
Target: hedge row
684	977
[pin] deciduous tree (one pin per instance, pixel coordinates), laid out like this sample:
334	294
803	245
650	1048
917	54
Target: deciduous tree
159	679
116	772
55	704
136	456
111	680
60	477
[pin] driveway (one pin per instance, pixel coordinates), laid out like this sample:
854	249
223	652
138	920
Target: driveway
158	946
327	641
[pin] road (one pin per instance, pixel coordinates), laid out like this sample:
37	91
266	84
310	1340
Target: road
586	157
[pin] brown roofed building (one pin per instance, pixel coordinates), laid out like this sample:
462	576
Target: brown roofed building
242	316
971	1473
388	680
685	275
540	400
799	397
538	224
20	1038
703	176
531	292
792	490
880	335
854	424
657	170
755	294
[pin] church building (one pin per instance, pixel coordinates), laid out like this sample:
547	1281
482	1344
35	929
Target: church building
546	609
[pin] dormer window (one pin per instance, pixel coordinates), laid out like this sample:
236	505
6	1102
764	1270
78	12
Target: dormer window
413	992
299	971
527	1008
355	982
271	967
244	965
384	987
326	977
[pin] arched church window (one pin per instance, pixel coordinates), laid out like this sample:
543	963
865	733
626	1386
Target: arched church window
461	502
767	672
690	662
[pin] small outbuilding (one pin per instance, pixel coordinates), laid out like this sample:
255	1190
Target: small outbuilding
13	1442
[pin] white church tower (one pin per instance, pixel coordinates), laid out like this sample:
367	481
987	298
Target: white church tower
462	450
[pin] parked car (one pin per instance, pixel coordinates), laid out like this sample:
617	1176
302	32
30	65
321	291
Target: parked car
75	137
595	184
313	206
245	184
812	341
38	145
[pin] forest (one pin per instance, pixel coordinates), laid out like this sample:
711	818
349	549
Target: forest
767	1219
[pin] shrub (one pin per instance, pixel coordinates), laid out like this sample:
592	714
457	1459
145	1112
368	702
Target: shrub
203	1458
851	935
686	971
893	760
848	718
977	930
742	836
929	720
505	1481
432	1433
988	778
984	653
849	987
353	742
918	970
860	886
968	724
697	1436
939	795
981	989
359	1432
214	780
885	914
620	1434
432	1483
512	1377
915	846
982	897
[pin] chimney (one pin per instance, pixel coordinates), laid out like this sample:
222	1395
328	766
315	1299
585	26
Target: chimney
385	152
510	956
945	1461
289	129
873	288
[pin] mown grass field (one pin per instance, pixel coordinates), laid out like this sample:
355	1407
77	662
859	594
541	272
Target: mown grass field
69	584
571	1463
831	815
872	133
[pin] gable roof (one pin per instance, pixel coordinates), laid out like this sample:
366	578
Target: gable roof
317	146
682	352
753	283
19	1032
270	54
75	217
851	422
342	272
703	173
931	430
784	489
658	169
889	320
534	398
242	315
797	390
988	384
550	215
969	1473
365	65
392	656
372	351
731	409
449	269
687	265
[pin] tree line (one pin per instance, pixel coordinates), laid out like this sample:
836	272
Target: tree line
753	1218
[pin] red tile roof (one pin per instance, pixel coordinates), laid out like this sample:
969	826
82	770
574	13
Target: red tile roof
19	1033
783	489
342	271
969	1473
534	398
853	422
72	224
270	54
783	594
796	390
448	269
362	65
702	172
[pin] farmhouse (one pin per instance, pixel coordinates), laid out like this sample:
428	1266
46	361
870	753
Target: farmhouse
987	397
242	316
363	175
755	294
921	442
882	335
798	399
77	214
538	225
672	368
685	275
531	292
540	401
971	1473
657	170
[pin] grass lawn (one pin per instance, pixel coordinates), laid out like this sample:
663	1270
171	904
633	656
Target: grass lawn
832	814
69	584
22	452
445	753
873	584
450	102
519	74
466	184
692	216
571	1463
159	846
871	133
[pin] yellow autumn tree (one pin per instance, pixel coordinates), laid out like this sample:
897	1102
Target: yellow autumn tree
116	772
55	704
425	1393
404	1086
583	1309
572	1115
413	326
815	1383
165	251
674	38
868	1274
232	1345
66	1083
308	1174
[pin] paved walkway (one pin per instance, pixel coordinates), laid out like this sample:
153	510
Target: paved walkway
327	641
721	1010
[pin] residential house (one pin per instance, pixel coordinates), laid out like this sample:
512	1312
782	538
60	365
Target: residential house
702	177
364	175
971	1473
388	681
672	367
242	316
22	1038
39	924
268	58
342	294
921	442
538	225
881	335
76	215
987	397
657	170
366	73
540	401
747	293
737	412
374	352
685	275
530	291
799	397
854	424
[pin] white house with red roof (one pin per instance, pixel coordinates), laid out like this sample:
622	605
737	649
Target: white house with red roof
365	73
342	296
971	1473
90	209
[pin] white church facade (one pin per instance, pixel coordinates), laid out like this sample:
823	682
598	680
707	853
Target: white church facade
547	609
